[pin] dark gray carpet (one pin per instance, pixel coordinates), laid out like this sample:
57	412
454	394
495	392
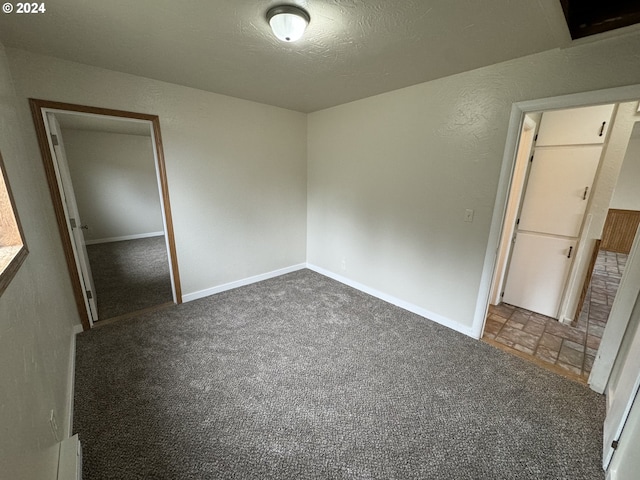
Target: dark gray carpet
130	275
300	377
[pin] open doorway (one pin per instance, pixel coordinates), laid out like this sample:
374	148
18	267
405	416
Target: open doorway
523	317
106	175
112	169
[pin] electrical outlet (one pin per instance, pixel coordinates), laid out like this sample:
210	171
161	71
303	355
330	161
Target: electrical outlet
468	215
54	425
344	264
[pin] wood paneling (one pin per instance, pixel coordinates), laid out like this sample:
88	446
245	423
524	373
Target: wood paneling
620	230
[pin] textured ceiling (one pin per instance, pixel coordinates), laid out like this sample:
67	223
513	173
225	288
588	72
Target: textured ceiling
352	48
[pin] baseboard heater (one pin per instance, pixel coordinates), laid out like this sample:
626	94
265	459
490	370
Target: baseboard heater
70	459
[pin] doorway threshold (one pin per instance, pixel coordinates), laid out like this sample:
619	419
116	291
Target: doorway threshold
536	361
563	349
137	313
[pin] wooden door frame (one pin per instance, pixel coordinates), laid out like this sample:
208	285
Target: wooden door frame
37	107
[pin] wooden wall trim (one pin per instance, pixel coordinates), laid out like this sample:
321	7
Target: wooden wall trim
16	262
36	106
162	172
619	230
56	199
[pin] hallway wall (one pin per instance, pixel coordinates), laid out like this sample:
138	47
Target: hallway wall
37	313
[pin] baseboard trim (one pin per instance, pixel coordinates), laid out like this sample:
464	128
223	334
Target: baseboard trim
434	317
125	237
241	283
68	424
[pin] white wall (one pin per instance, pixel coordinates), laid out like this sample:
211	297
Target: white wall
37	314
627	192
390	176
236	169
115	183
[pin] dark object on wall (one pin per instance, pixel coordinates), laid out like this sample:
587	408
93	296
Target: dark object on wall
590	17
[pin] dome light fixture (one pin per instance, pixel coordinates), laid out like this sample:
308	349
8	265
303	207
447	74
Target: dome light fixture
288	22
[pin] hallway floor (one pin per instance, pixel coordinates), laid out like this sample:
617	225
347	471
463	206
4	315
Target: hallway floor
130	275
564	349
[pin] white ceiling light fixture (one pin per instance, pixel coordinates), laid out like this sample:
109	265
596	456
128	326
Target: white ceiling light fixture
288	22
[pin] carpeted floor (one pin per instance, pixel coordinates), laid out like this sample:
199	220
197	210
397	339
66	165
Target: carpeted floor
301	377
130	275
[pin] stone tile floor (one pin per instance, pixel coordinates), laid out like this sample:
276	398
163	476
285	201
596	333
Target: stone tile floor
565	349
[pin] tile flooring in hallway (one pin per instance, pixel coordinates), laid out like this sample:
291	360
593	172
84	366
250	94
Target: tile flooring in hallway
568	350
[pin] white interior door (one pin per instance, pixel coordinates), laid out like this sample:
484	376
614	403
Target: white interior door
558	189
73	218
513	206
538	271
621	400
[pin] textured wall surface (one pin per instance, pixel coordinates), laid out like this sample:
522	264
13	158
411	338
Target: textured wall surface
627	192
390	176
236	169
37	315
115	183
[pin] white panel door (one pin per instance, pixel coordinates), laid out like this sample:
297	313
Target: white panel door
73	217
538	271
623	397
558	189
575	126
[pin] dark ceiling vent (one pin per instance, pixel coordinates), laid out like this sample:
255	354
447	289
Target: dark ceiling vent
590	17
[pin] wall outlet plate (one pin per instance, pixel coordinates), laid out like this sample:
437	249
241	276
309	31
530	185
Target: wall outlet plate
468	215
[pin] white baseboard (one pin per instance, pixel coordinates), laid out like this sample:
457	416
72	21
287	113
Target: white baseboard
125	237
396	301
241	283
68	423
70	459
358	286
